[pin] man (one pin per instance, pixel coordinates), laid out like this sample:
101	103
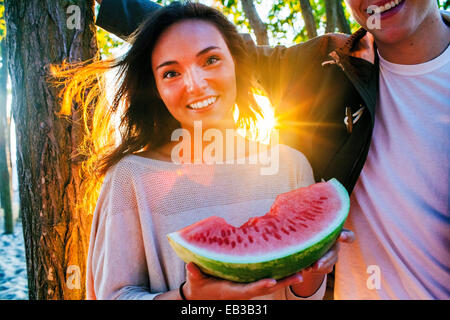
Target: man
372	110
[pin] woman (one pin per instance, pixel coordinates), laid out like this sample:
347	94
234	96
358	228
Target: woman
186	66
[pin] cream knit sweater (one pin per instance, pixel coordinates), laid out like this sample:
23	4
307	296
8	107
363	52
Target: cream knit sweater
142	200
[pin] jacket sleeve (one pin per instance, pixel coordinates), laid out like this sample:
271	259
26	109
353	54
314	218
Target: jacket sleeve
277	68
122	17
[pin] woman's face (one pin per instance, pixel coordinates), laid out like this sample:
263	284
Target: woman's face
195	74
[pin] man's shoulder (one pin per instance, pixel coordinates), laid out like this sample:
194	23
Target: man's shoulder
327	42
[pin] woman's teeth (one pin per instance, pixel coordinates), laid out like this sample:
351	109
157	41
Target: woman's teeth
388	6
203	103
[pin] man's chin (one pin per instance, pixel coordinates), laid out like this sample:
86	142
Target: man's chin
391	35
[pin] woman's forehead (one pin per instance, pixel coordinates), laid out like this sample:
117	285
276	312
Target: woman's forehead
188	37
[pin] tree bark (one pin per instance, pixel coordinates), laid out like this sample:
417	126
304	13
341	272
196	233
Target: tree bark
5	155
331	14
40	33
342	22
308	18
256	23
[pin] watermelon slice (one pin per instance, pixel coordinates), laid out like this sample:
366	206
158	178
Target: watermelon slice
300	227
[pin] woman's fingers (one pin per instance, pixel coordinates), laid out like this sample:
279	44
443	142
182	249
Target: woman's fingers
194	273
268	286
346	236
326	263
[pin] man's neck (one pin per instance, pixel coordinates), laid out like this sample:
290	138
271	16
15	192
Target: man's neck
427	43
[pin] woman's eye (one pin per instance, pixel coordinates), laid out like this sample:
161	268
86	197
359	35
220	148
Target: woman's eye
212	60
170	74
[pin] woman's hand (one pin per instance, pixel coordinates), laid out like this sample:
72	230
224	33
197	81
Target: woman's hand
99	1
313	275
200	286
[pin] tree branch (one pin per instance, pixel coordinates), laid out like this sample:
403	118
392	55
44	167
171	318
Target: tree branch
256	23
308	18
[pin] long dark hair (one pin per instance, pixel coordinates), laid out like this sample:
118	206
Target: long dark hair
145	122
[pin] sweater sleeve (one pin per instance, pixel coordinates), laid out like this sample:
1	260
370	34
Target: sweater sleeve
117	267
122	17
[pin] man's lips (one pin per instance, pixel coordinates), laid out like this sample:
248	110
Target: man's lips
385	7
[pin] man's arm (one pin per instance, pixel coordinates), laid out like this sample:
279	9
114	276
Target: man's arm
122	17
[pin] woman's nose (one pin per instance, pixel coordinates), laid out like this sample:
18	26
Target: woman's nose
195	81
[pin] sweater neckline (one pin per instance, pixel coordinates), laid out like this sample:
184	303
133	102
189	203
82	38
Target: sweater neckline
247	160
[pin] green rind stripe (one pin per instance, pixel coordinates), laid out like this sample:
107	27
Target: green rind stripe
249	272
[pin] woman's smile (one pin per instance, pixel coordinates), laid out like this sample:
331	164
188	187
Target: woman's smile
203	104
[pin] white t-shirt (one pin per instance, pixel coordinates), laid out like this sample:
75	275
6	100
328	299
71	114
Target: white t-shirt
399	207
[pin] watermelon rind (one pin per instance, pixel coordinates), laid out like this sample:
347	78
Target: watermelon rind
275	265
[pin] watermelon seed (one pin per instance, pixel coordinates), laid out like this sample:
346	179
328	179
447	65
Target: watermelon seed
222	232
219	241
233	244
244	230
303	225
323	198
290	221
227	242
250	238
265	237
277	236
284	230
239	239
292	228
273	225
256	228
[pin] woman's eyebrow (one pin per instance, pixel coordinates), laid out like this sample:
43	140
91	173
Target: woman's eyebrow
206	50
168	63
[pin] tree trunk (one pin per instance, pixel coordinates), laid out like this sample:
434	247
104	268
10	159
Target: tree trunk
342	22
308	18
5	155
331	13
256	23
39	33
